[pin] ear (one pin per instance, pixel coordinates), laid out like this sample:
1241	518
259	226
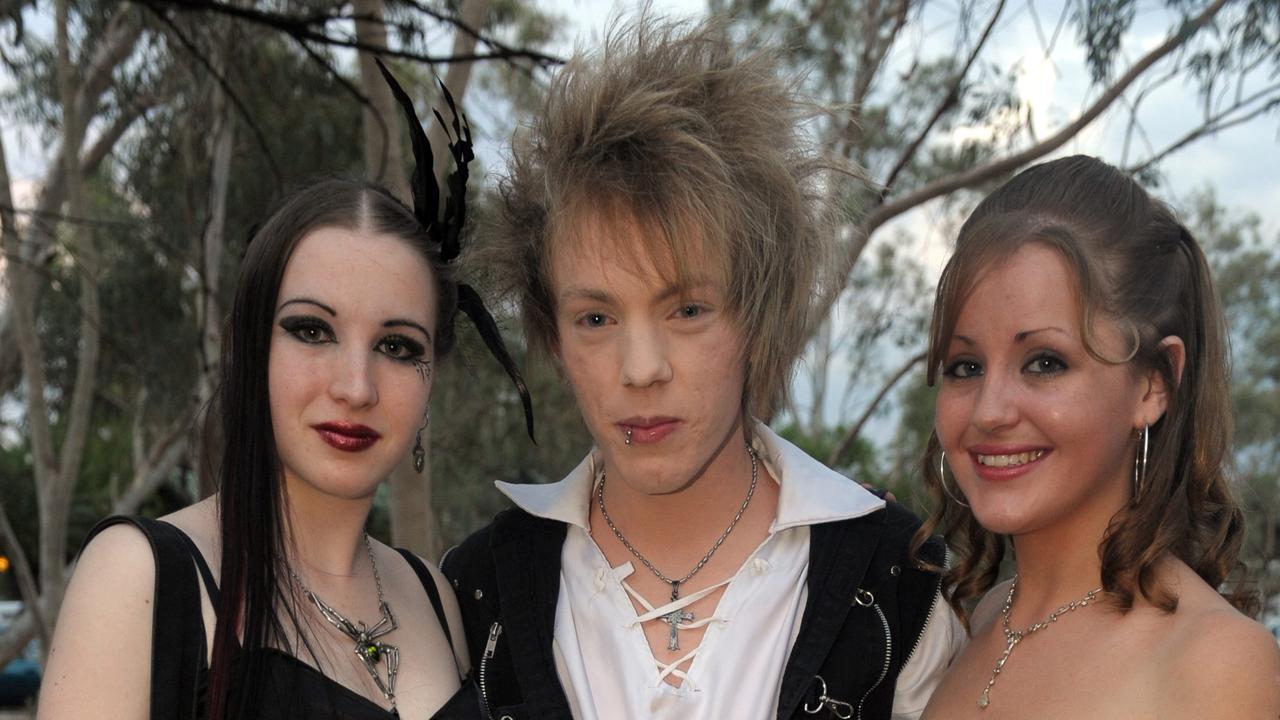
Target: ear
1155	399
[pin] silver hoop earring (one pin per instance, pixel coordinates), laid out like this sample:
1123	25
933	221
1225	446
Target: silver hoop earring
1140	458
419	453
942	479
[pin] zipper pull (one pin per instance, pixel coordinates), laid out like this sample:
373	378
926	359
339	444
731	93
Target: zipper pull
495	631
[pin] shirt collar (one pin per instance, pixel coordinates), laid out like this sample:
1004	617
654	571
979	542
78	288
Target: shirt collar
809	492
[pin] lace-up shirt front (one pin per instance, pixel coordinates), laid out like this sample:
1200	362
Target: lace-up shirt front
602	655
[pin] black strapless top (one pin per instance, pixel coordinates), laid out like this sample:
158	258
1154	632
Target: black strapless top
291	689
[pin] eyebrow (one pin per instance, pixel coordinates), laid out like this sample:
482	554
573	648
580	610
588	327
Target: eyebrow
1018	337
1022	336
307	301
401	322
392	323
670	291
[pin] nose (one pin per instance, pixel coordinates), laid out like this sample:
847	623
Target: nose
352	380
644	357
996	405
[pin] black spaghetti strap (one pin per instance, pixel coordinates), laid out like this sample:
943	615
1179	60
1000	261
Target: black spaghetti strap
177	638
433	594
210	585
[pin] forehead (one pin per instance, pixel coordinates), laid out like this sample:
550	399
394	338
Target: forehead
361	271
1032	288
589	247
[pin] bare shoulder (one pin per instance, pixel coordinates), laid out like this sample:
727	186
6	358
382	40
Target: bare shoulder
200	523
988	608
108	605
1222	664
452	613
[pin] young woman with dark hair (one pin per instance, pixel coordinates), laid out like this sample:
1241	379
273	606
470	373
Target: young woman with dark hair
345	303
1083	418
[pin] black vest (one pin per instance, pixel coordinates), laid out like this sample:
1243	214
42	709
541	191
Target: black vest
868	604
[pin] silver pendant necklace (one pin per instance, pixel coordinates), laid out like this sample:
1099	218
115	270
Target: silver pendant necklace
677	616
1013	637
367	648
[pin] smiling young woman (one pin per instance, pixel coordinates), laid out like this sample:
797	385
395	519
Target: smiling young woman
1083	416
269	599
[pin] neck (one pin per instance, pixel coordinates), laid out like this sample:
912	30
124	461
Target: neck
1060	563
325	535
703	506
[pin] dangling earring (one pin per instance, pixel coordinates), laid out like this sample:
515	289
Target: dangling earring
942	478
1140	461
419	454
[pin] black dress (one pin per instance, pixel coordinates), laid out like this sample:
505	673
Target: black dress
291	688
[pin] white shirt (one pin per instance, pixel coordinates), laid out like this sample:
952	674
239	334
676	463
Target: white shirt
603	658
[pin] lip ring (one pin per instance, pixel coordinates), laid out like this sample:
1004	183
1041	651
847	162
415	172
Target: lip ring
647	430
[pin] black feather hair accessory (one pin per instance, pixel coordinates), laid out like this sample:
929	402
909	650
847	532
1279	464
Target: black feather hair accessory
445	230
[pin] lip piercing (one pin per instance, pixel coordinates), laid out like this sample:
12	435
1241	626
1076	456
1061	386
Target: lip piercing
628	440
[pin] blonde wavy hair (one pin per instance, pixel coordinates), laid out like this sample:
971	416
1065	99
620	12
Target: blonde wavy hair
676	128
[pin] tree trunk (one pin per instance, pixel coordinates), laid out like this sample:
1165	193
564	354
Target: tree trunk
413	523
383	161
212	246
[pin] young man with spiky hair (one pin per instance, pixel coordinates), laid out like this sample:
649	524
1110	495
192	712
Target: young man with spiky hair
661	234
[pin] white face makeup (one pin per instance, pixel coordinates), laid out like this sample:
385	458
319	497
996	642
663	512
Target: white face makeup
351	360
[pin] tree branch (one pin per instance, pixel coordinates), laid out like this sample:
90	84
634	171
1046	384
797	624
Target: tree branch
996	168
1214	124
258	136
26	581
302	29
975	176
843	447
951	99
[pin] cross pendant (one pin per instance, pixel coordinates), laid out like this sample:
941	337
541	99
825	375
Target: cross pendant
674	618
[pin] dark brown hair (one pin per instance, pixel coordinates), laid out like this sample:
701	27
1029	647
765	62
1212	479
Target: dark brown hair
674	127
1135	264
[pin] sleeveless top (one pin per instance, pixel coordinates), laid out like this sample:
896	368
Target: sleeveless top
291	687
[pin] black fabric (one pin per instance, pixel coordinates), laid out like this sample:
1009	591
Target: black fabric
178	648
292	689
507	574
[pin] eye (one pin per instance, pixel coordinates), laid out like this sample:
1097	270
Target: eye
962	369
1045	364
399	347
593	320
690	311
310	330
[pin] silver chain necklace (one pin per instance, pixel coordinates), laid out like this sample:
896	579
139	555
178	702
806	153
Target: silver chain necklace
1013	637
675	617
367	647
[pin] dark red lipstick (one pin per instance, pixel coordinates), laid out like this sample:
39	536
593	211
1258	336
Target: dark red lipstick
348	437
645	430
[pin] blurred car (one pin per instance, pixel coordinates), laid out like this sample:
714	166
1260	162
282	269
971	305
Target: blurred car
20	679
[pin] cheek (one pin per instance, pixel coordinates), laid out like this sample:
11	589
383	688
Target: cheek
950	415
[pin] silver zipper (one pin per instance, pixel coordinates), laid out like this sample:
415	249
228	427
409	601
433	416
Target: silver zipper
888	655
927	619
495	631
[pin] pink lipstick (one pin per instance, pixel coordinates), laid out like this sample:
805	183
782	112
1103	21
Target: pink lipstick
647	430
348	437
997	463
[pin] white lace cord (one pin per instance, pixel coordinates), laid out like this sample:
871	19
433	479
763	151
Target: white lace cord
652	613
